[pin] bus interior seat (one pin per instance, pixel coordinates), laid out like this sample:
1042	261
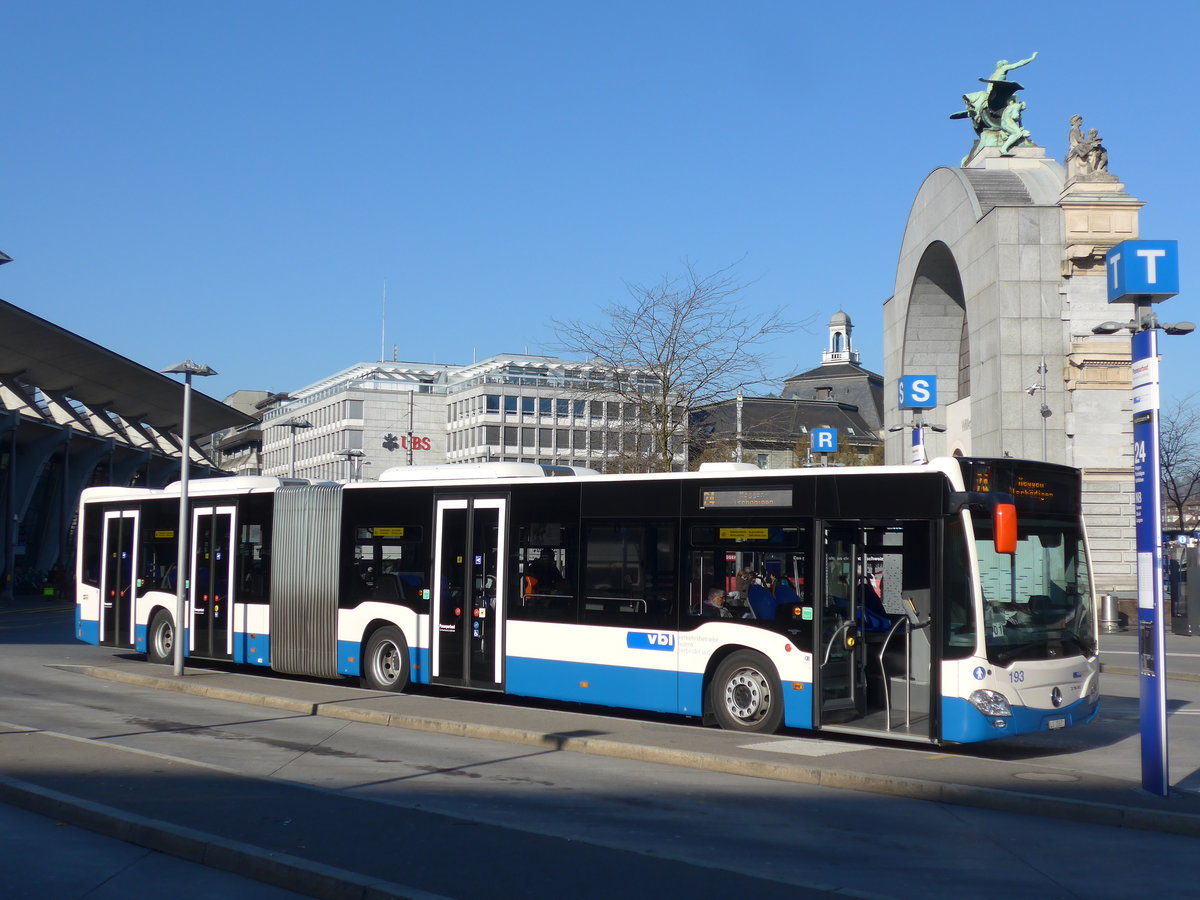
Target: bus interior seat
785	594
761	602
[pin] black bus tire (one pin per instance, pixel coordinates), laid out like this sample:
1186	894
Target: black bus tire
385	661
745	694
160	638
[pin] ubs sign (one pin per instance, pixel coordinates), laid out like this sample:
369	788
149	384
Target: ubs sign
392	443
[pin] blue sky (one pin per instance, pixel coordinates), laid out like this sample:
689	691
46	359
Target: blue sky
234	181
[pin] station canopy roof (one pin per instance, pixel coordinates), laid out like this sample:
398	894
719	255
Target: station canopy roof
51	358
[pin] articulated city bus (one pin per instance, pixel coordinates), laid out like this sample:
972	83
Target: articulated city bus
946	603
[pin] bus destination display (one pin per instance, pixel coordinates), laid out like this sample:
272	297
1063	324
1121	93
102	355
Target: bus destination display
744	498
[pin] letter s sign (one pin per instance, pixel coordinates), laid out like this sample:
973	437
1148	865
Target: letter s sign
918	392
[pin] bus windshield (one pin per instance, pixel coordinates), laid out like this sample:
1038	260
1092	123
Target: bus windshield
1037	601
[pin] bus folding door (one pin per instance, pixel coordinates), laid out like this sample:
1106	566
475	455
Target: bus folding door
118	578
468	612
211	617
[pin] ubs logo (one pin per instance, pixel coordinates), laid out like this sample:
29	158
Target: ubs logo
654	640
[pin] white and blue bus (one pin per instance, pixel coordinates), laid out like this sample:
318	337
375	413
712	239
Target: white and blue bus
945	603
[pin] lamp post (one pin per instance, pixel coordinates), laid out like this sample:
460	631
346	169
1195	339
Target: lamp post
294	423
355	460
187	369
919	456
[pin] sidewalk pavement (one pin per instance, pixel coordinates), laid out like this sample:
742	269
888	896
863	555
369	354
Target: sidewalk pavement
324	844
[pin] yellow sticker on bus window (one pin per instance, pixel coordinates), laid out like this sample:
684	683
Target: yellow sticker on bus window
170	533
388	532
743	534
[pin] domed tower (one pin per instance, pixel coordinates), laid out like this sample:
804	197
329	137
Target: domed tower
840	377
841	349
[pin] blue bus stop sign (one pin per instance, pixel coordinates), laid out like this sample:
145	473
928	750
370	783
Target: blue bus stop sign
824	440
1147	481
918	392
1143	271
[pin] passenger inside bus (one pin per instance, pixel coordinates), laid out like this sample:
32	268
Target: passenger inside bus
714	605
545	571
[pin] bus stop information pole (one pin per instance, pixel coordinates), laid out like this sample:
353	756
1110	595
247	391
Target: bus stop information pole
1148	506
1144	273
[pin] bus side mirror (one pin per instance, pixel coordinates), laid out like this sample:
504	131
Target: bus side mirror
1004	527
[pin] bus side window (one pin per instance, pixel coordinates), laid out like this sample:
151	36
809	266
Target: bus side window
544	574
92	537
958	615
254	548
629	575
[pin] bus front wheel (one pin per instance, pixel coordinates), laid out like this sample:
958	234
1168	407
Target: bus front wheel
745	694
160	639
385	661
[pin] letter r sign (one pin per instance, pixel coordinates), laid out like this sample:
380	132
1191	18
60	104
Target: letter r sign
918	392
824	440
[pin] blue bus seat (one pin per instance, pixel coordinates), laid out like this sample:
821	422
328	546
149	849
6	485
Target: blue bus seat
761	602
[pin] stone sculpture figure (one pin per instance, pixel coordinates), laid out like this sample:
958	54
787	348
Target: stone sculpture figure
1087	157
1075	138
995	113
1097	155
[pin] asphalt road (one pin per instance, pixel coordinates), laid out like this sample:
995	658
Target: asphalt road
651	824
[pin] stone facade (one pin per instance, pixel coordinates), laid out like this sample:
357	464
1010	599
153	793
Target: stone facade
1002	266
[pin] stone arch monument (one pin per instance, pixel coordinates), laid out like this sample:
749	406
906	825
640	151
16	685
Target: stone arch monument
999	283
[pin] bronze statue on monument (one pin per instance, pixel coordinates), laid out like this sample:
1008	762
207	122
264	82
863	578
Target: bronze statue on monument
995	112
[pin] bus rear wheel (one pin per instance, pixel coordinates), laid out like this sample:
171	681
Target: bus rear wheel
745	694
385	661
160	638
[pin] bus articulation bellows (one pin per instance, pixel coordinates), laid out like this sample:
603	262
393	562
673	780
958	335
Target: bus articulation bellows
946	603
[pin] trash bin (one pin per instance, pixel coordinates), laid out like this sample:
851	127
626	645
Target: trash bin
1110	614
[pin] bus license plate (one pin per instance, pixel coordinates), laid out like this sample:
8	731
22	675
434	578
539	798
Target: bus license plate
1057	723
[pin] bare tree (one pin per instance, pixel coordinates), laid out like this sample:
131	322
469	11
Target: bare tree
1179	460
675	345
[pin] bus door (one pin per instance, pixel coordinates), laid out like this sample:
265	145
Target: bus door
840	649
211	623
470	550
117	587
874	653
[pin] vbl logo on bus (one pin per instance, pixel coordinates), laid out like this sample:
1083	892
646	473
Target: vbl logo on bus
654	640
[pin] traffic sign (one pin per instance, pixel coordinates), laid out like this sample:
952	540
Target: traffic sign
824	440
918	391
1143	271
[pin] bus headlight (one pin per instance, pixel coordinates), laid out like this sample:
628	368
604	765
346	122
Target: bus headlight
990	703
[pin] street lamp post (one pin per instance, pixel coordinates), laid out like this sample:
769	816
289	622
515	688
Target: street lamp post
187	369
919	456
355	460
294	423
